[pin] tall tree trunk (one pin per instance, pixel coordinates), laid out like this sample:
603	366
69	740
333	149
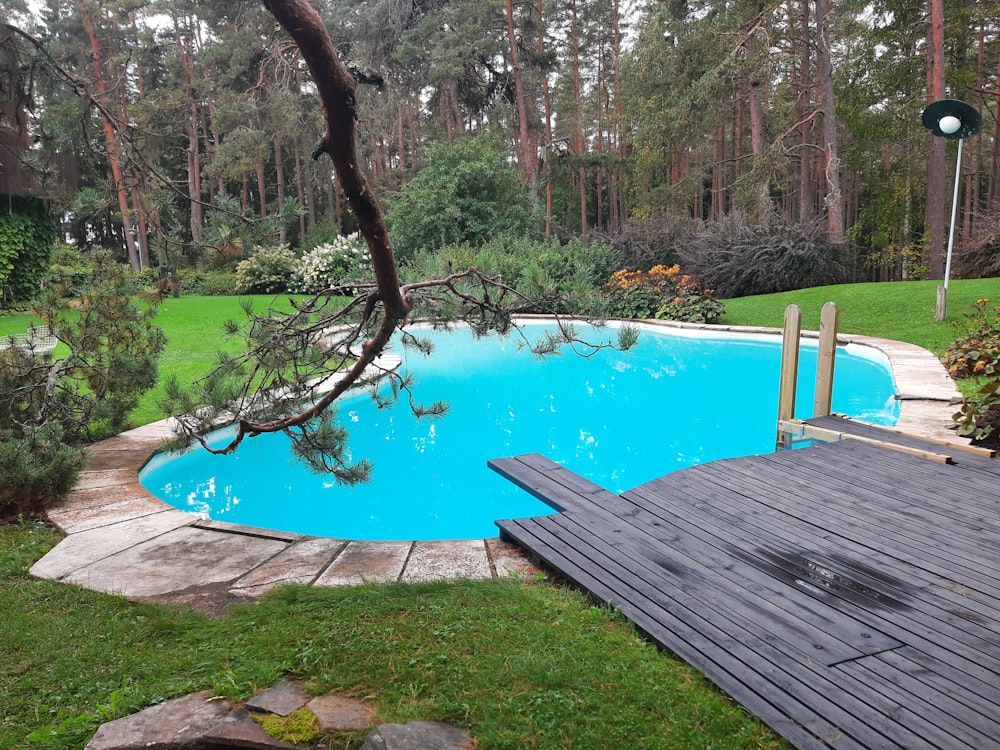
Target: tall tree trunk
936	168
834	199
110	139
579	144
194	146
547	104
527	157
279	171
803	107
300	192
261	184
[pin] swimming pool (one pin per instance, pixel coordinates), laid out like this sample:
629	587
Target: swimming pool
679	398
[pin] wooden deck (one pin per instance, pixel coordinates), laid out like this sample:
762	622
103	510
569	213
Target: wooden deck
847	594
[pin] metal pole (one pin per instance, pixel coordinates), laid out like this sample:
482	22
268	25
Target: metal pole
954	211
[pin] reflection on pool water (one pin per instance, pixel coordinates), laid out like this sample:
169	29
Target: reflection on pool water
678	398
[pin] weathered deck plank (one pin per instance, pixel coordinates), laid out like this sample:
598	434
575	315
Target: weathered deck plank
846	594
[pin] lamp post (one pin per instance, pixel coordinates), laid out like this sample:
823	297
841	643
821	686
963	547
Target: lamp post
954	120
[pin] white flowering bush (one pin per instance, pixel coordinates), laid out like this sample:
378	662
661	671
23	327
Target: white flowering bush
268	270
332	264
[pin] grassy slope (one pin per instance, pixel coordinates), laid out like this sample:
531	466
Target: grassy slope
902	311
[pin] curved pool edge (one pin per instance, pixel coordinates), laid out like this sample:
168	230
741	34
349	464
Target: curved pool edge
123	540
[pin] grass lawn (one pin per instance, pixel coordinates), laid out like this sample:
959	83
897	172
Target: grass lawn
194	329
902	310
524	664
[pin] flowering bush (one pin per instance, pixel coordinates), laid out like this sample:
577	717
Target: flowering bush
266	271
661	292
976	351
332	264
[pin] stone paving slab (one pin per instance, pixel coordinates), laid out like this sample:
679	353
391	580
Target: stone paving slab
509	560
180	559
367	562
78	551
336	713
73	520
281	699
300	562
173	723
442	561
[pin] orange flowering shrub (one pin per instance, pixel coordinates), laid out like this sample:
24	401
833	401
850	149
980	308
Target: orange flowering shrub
976	351
662	292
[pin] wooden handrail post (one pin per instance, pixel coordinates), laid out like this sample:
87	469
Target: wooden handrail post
822	405
789	371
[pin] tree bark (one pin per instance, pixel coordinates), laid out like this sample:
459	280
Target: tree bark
527	157
937	192
833	199
121	189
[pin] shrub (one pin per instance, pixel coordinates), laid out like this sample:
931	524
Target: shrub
207	283
978	416
332	264
556	277
976	351
663	293
268	270
737	259
468	194
69	273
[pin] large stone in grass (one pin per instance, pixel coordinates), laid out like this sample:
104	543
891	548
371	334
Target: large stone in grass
175	725
281	698
418	735
336	713
238	729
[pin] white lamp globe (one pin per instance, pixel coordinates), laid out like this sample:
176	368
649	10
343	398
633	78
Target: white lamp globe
949	124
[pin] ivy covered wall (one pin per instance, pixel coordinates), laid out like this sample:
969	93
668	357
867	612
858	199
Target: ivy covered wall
27	231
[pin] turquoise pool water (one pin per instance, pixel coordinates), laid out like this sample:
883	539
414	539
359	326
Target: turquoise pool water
678	398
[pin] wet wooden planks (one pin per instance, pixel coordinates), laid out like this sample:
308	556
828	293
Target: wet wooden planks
847	594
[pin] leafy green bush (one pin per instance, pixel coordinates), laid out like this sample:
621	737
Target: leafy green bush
268	270
557	277
69	273
331	264
663	293
978	416
975	353
207	283
468	194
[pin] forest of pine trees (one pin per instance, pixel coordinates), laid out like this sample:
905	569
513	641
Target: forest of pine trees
187	119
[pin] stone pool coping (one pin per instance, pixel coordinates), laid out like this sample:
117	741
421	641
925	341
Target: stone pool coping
122	540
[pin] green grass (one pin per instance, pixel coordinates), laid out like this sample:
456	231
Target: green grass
194	330
523	664
903	310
